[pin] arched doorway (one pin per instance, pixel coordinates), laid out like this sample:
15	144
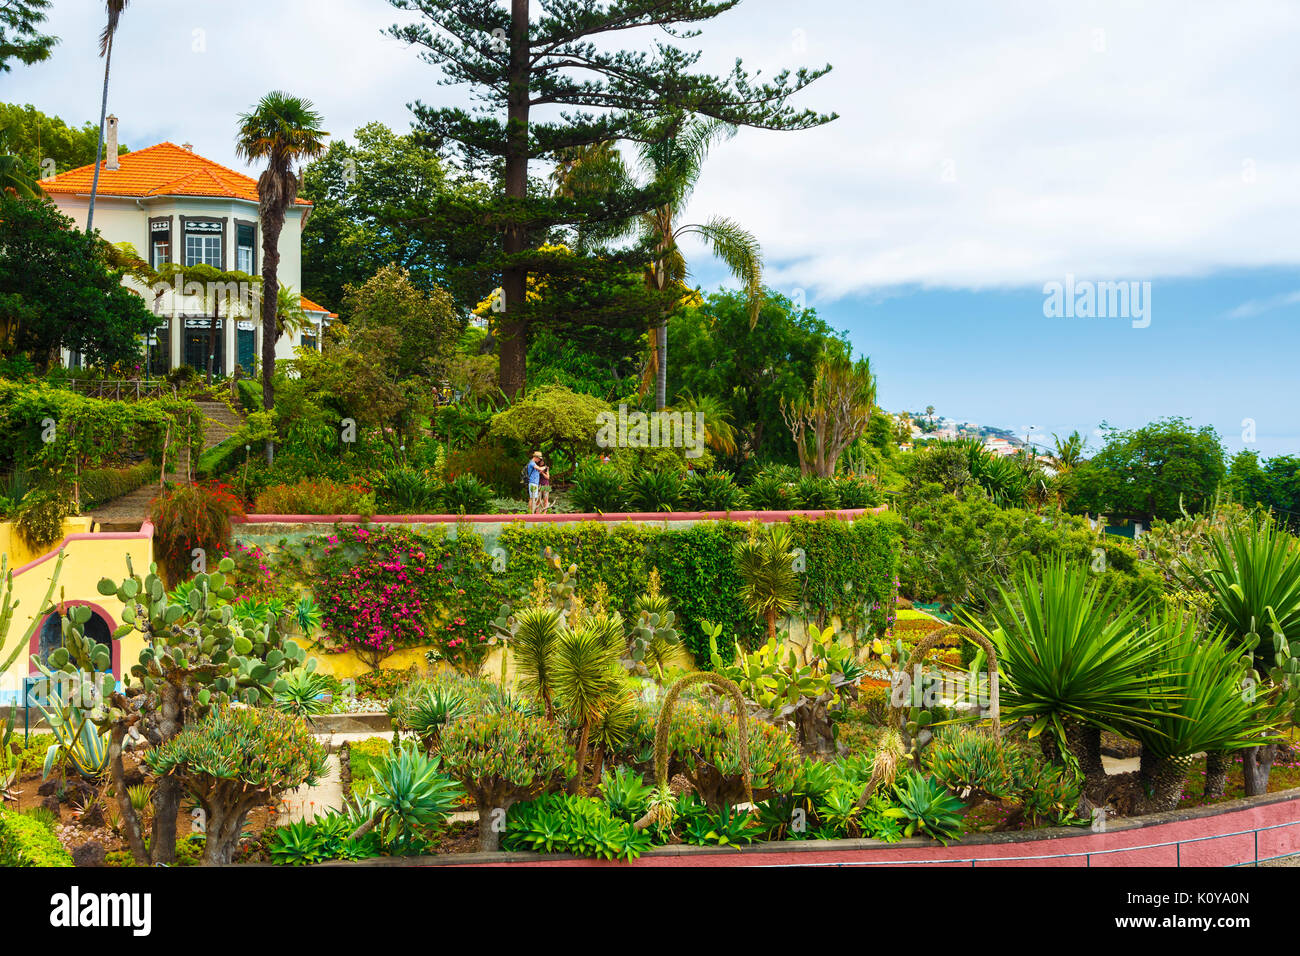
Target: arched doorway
98	629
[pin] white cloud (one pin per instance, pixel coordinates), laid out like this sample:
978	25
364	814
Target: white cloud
979	145
1253	307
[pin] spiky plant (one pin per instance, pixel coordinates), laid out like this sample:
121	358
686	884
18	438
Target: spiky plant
586	677
533	643
1073	662
765	562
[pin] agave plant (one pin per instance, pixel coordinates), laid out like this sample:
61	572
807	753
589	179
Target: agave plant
1073	662
925	807
410	799
301	692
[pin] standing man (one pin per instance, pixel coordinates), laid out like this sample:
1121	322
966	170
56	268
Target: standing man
534	475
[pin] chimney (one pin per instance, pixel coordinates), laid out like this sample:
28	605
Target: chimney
110	142
188	147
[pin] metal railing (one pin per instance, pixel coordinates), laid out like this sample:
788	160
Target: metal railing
126	390
1086	854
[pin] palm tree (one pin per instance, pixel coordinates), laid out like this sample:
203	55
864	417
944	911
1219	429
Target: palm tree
1069	451
15	180
672	156
115	9
765	563
281	130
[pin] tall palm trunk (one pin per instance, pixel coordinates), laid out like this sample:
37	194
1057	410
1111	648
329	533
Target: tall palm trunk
99	147
272	226
514	279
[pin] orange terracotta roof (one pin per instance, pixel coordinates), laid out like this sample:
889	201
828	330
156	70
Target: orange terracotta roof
162	170
309	306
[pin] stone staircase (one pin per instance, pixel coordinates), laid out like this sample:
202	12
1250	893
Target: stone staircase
129	512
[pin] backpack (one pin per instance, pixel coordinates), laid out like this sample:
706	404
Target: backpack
523	475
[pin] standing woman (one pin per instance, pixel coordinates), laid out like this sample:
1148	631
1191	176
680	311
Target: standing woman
545	482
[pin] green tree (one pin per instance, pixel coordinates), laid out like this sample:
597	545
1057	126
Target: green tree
1155	471
1272	484
749	371
59	291
20	38
281	130
425	324
34	137
551	419
374	198
556	55
833	414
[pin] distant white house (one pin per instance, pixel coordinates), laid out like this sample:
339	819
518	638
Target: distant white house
173	205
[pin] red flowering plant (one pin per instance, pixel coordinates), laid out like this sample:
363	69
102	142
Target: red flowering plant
192	522
385	588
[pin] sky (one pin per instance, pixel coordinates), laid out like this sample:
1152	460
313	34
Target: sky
983	152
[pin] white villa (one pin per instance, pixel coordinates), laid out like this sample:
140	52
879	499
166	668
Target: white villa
172	205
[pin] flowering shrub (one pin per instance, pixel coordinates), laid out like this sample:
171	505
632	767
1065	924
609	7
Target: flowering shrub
315	497
187	517
385	588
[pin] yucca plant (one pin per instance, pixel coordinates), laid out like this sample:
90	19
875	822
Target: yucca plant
925	807
586	678
407	491
533	644
813	493
1252	577
765	562
1203	708
712	491
301	692
656	491
426	709
1073	663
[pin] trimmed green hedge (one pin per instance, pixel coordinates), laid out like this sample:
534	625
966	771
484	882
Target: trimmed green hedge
103	485
28	842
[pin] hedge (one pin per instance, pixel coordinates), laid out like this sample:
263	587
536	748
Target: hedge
25	841
102	485
850	566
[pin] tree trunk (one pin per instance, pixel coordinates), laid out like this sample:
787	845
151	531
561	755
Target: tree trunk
272	226
1085	744
167	796
582	757
224	828
661	373
489	838
345	770
513	329
1169	777
1256	765
130	819
1216	772
99	146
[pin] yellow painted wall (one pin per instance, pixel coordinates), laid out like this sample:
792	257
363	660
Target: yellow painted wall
87	560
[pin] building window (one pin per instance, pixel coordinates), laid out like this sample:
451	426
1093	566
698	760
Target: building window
205	243
245	244
160	242
203	250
